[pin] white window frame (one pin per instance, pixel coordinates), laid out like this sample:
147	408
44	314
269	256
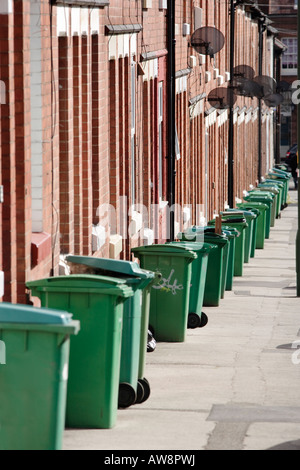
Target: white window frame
293	54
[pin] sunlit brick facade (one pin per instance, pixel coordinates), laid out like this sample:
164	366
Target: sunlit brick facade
84	127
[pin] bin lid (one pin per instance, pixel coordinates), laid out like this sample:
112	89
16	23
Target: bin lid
256	205
233	220
275	182
16	313
125	268
209	235
167	248
83	283
194	246
258	198
234	231
249	214
278	176
251	208
270	189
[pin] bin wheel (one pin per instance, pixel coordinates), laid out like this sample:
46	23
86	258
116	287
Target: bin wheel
194	321
146	388
127	395
139	393
204	320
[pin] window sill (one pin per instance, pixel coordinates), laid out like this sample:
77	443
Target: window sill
40	247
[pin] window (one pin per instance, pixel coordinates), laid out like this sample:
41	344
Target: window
290	57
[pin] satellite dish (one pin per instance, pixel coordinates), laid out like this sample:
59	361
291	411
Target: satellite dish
244	71
244	87
283	86
221	98
208	41
273	100
267	85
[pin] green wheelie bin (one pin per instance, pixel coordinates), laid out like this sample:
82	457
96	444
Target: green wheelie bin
217	262
34	362
237	220
232	234
275	190
272	198
197	318
282	187
97	301
261	222
257	212
284	179
267	199
170	297
135	321
249	231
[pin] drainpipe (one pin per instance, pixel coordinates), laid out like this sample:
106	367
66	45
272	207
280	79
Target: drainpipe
171	43
260	70
278	115
231	124
298	138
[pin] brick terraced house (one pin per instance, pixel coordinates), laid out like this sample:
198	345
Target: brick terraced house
84	126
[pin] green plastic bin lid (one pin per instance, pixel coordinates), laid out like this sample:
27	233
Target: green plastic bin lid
167	248
125	268
239	220
232	230
253	209
256	204
278	176
83	283
194	246
262	194
243	212
25	314
276	182
209	237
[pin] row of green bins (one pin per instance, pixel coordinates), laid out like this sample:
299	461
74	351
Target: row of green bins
34	364
133	387
260	209
217	263
196	317
97	302
265	198
169	305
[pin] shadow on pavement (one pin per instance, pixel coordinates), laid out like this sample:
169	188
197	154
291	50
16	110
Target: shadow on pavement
289	445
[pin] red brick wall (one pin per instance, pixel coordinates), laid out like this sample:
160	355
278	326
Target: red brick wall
86	122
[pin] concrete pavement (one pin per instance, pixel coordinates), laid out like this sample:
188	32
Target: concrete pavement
234	384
